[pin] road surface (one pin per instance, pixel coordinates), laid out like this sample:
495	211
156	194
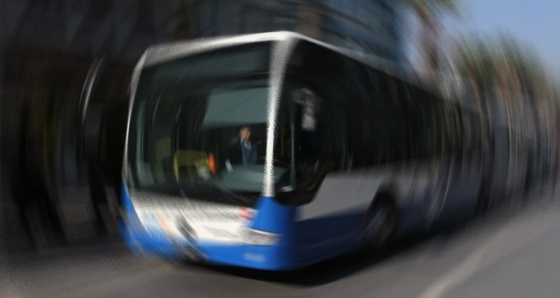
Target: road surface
515	253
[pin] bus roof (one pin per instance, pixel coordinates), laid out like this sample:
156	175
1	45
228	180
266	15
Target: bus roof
168	51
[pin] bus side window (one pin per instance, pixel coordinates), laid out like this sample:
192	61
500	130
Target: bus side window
322	123
317	87
361	100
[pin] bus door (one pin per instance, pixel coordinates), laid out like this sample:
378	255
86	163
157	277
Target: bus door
320	137
316	85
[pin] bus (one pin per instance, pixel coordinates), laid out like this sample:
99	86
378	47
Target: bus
275	151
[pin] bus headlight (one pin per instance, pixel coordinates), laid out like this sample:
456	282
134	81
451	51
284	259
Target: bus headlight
257	237
168	227
154	223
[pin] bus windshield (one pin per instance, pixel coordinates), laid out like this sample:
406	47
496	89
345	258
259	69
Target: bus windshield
198	126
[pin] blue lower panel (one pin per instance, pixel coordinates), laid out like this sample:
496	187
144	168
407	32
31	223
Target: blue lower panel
142	243
321	238
317	240
257	257
301	243
274	258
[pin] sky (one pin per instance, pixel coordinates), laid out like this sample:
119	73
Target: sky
535	23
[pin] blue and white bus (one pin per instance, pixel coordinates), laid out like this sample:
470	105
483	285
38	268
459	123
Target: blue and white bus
275	151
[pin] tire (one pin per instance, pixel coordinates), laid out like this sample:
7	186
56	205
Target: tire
483	201
381	223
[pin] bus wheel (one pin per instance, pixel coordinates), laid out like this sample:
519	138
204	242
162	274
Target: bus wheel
483	201
381	222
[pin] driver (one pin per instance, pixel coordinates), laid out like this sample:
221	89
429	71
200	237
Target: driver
243	150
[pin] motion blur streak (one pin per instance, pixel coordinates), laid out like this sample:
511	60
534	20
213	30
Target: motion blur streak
66	69
65	75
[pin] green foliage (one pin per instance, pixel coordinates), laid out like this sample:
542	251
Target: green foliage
432	9
484	58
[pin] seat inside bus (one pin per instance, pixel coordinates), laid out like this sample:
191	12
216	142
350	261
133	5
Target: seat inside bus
196	164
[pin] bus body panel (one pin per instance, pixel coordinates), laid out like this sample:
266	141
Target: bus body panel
147	236
429	187
423	191
301	244
323	237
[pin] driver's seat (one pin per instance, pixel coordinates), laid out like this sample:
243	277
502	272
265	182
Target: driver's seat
193	161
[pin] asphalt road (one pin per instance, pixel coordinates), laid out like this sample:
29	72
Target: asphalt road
511	254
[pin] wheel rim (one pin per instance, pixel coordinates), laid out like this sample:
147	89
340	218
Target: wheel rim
380	225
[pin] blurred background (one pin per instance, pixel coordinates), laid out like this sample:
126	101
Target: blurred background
65	77
65	70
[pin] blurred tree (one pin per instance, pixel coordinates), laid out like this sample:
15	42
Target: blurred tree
504	63
507	79
430	13
473	61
